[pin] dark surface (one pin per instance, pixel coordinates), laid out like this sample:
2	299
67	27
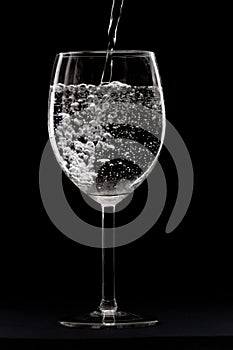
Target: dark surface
206	325
25	321
37	262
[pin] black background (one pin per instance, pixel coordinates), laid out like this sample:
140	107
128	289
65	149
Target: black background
195	261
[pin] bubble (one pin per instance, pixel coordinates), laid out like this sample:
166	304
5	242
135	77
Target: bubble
107	135
72	158
71	88
112	147
91	88
68	135
83	114
59	88
105	97
82	87
93	123
97	138
59	133
90	98
78	146
90	145
66	150
78	122
74	104
105	105
91	107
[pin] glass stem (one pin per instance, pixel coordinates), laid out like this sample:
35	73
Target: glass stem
108	303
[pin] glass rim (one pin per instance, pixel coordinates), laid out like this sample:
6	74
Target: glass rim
100	53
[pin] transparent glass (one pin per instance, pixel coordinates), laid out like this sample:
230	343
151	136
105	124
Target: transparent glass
107	137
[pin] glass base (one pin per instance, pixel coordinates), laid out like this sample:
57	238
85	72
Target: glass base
118	319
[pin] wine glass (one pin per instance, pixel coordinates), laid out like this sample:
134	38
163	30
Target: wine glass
106	136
